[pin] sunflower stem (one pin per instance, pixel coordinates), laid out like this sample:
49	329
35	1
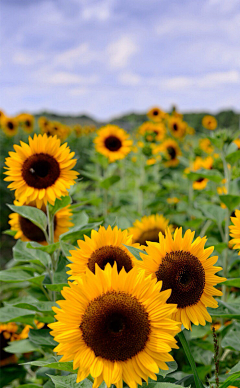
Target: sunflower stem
50	218
226	231
191	361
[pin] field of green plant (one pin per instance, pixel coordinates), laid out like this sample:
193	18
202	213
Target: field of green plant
120	251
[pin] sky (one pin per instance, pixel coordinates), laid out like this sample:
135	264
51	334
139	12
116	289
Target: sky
108	57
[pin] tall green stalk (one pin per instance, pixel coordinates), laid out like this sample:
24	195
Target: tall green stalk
191	361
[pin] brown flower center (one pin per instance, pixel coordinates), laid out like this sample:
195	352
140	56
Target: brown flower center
110	254
149	235
172	152
115	326
32	231
113	143
155	112
28	123
175	127
40	171
199	180
184	274
10	125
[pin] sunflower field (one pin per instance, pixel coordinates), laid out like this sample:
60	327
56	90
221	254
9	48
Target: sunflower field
120	252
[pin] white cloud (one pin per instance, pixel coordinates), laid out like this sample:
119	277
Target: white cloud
129	79
81	54
26	58
121	51
100	11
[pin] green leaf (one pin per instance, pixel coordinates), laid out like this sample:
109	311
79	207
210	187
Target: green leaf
108	182
160	385
70	382
225	310
10	373
22	346
78	231
212	175
54	363
235	282
232	338
66	247
230	380
45	248
22	253
29	386
56	287
37	216
60	275
59	204
231	201
14	314
172	367
16	275
42	338
233	157
135	252
10	232
213	212
36	306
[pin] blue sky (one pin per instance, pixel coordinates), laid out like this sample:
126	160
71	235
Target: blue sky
107	57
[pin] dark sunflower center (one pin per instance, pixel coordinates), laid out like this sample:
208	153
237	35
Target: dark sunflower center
10	125
184	274
175	127
31	231
172	152
40	171
115	326
200	180
155	112
113	143
110	254
149	235
27	123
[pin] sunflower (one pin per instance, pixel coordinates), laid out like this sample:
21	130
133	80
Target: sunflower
177	127
156	131
9	126
184	266
40	171
115	326
171	151
206	146
104	246
8	332
2	114
198	163
235	231
173	200
156	114
26	121
148	228
43	123
209	122
113	142
27	231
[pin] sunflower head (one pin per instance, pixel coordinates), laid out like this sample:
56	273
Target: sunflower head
43	123
152	131
9	125
209	122
200	183
184	266
105	246
40	171
26	121
235	231
27	231
237	142
117	330
148	228
177	127
171	151
206	146
113	142
156	114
